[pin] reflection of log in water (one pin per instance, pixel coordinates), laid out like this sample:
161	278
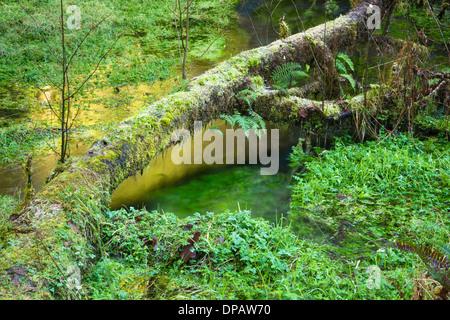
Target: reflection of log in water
162	180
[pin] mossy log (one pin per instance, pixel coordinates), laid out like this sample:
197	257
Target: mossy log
58	227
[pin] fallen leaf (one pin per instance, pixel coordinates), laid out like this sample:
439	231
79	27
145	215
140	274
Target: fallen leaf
73	226
155	240
21	271
15	281
13	217
186	252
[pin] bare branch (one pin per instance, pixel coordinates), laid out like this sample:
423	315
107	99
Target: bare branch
87	34
96	67
439	26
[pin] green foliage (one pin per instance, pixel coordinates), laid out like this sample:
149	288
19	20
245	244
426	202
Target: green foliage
182	87
18	142
419	14
244	95
392	186
7	206
145	52
252	122
437	263
287	75
235	257
341	61
358	196
231	247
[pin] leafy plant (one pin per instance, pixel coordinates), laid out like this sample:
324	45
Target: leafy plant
437	263
341	61
386	187
244	95
287	75
331	5
252	122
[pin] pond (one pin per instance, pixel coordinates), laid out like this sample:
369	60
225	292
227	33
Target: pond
185	189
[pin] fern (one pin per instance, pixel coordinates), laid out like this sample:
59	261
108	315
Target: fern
437	263
286	76
340	66
244	94
347	60
340	62
350	79
252	122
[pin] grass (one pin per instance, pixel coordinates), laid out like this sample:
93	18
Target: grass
18	142
359	197
145	52
395	186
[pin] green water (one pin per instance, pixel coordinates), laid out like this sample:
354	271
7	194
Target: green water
189	188
230	189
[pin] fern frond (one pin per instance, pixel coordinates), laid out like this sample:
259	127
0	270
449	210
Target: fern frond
246	123
347	60
350	79
437	263
442	277
286	75
244	95
230	119
446	249
259	119
433	258
340	67
215	128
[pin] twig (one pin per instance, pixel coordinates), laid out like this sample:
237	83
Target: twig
439	26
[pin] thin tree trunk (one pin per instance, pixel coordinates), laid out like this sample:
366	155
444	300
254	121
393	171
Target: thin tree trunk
186	47
63	90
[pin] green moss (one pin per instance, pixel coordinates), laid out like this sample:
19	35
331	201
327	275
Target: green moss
165	122
331	109
258	81
253	62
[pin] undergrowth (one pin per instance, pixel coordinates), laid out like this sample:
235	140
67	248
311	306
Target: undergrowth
155	255
362	197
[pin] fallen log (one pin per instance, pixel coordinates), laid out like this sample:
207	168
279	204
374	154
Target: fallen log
63	219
